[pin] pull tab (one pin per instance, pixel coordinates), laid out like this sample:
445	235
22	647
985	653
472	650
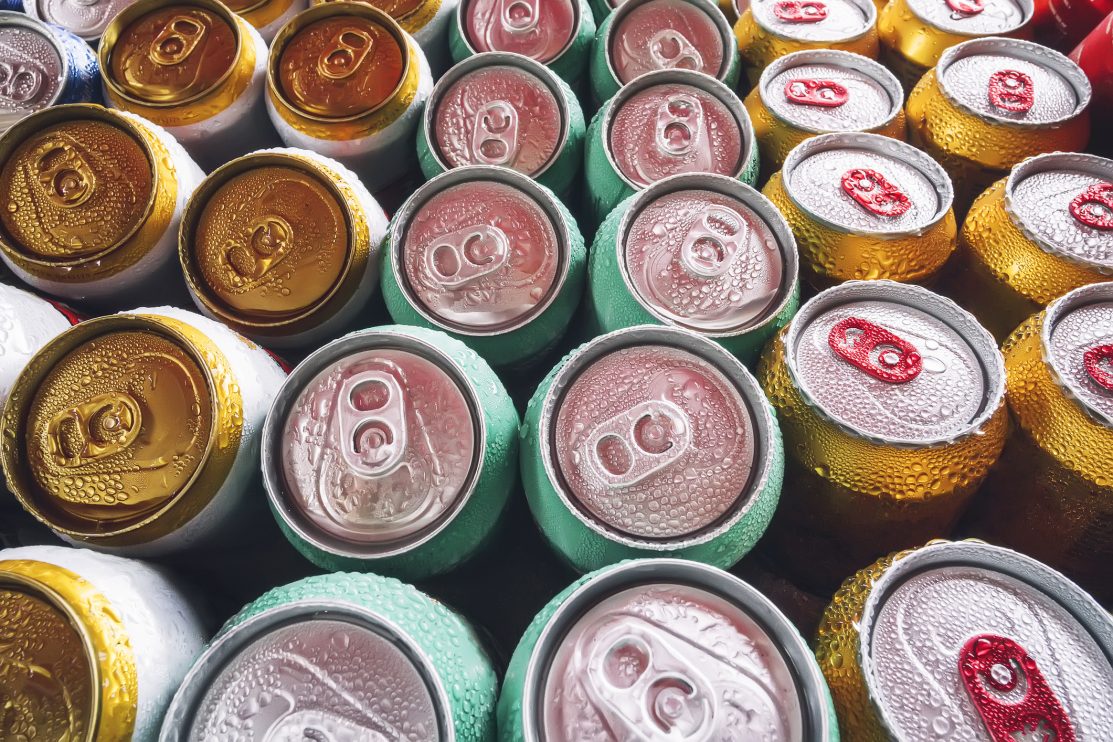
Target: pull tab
63	173
270	239
372	415
495	137
95	429
810	92
875	350
468	254
1098	362
713	242
638	443
20	83
966	7
177	40
343	58
874	193
685	56
679	123
520	16
800	11
1094	206
1012	91
993	662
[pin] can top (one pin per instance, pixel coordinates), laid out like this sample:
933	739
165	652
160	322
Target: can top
828	90
676	121
539	29
480	250
1013	82
497	108
972	641
373	445
648	35
1063	201
815	20
974	17
34	68
619	659
895	363
867	184
708	253
406	12
86	19
1077	337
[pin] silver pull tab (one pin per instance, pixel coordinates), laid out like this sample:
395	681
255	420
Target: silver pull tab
714	242
679	125
661	50
495	137
372	417
637	443
20	82
520	16
463	256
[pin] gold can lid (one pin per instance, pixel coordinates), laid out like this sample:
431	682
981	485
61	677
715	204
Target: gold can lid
396	9
75	189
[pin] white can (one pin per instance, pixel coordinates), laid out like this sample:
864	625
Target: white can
27	323
267	16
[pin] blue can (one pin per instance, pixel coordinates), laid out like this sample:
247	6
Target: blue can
16	5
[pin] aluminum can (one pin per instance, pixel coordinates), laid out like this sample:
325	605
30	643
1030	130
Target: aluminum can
490	257
27	323
138	432
346	81
1044	230
95	645
702	252
991	103
651	441
663	649
915	33
1093	56
865	206
339	657
96	197
391	450
86	19
891	400
193	67
822	91
770	29
1052	494
666	123
642	36
556	33
964	640
42	66
428	21
282	245
1065	24
267	16
505	110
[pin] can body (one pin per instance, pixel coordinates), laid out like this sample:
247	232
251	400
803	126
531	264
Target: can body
428	22
439	683
86	21
131	636
1066	24
27	323
1093	57
134	193
267	16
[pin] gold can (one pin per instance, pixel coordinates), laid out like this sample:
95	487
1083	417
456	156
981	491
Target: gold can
267	16
865	206
1041	232
770	29
426	20
94	199
991	103
891	403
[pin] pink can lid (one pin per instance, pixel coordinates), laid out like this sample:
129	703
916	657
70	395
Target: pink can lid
30	69
85	18
1078	342
538	29
815	20
667	34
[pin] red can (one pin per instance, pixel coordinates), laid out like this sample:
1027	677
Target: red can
1067	22
1095	56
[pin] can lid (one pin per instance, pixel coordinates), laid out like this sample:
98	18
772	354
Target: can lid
480	250
86	19
895	363
539	29
828	90
1077	336
660	649
707	253
648	35
404	10
1063	201
974	17
1013	82
34	69
815	20
972	641
867	184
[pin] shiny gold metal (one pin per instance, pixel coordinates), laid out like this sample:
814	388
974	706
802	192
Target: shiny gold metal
412	15
259	13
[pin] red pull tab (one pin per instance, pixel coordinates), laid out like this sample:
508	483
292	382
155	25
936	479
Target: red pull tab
967	7
874	193
1094	206
810	92
1011	90
800	11
1098	362
993	662
858	341
71	316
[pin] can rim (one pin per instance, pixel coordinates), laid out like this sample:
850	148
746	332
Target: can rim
484	60
1087	163
43	118
1027	8
231	641
140	9
1028	51
1093	293
577	10
761	416
274	482
972	553
931	170
941	308
705	83
811	687
526	185
753	200
836	58
866	6
42	28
